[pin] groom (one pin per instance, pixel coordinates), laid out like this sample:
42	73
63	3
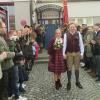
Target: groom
73	50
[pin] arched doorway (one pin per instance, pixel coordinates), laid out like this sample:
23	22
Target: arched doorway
51	16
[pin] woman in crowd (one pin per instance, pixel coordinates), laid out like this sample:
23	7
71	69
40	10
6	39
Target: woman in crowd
88	48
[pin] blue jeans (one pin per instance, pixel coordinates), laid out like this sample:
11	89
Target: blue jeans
15	81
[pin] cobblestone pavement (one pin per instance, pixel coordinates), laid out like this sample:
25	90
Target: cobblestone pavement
41	86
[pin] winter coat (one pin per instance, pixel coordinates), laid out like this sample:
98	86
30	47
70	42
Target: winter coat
8	62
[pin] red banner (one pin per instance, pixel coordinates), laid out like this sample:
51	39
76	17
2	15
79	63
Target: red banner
65	14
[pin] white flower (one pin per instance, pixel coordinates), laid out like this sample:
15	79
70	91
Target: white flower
58	43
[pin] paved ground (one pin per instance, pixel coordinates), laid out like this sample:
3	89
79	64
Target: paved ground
41	86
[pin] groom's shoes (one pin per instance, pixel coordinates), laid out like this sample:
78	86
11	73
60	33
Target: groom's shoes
68	86
78	84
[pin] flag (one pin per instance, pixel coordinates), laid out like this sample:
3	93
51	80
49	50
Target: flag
65	14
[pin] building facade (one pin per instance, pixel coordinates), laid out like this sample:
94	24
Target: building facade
79	11
51	11
7	14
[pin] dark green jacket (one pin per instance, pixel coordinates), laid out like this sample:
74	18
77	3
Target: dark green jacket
97	45
88	48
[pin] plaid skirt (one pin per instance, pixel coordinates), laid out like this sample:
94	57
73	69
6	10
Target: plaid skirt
56	62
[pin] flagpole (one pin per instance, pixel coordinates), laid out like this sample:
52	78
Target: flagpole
31	12
65	14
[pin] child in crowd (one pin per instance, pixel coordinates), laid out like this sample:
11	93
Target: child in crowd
18	77
34	52
37	50
35	47
22	73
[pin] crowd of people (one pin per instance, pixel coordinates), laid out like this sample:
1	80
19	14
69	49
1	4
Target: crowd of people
91	39
18	51
70	46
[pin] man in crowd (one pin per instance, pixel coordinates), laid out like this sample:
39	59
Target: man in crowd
6	64
96	50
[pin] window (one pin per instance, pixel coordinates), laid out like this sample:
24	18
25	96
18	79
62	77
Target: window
72	20
89	21
80	21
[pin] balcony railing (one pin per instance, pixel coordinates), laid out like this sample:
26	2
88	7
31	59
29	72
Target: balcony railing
48	1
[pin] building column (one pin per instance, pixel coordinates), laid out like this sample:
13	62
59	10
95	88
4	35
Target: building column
59	17
40	17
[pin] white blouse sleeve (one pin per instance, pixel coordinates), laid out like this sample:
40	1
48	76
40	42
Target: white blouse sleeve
81	44
64	44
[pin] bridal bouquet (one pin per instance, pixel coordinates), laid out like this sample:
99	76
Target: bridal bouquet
58	43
